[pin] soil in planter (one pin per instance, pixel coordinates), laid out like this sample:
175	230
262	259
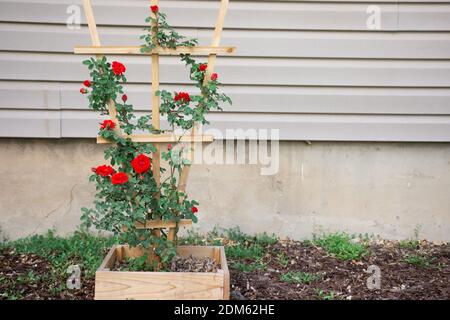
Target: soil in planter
193	264
178	264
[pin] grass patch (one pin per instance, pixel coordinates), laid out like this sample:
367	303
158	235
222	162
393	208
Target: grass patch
236	235
252	252
299	277
83	249
409	244
80	248
248	267
419	261
341	246
265	239
282	259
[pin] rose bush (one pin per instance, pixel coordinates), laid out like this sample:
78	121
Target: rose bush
126	191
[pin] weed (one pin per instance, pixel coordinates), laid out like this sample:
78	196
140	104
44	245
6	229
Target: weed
192	238
414	243
419	261
80	248
299	277
282	259
409	244
252	252
248	267
341	246
264	239
137	264
235	234
307	243
323	295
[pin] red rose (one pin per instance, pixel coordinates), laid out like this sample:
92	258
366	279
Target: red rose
119	178
124	98
154	9
103	170
118	68
214	77
141	163
108	124
83	91
169	147
182	96
203	67
194	210
87	83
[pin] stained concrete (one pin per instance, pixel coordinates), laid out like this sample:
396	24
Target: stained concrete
384	189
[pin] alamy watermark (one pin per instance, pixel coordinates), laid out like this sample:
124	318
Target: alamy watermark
236	146
374	280
373	21
73	21
74	280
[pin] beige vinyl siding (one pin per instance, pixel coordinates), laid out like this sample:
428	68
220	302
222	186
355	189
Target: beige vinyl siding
309	68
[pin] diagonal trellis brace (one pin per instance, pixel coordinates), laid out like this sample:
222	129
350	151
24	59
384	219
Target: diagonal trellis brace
182	182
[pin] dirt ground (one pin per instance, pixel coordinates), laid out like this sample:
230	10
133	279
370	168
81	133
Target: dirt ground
426	279
406	273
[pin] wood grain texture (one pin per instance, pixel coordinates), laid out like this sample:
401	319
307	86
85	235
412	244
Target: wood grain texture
163	138
136	50
118	285
151	224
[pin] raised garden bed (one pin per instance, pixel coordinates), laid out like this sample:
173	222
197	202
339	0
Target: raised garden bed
124	285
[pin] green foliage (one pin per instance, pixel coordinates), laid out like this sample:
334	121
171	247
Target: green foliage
80	248
240	251
299	277
184	113
341	246
236	235
248	267
160	33
212	238
105	84
85	250
138	264
282	259
419	260
409	244
325	295
264	239
414	243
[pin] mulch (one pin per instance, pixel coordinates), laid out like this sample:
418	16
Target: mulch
348	279
337	279
33	278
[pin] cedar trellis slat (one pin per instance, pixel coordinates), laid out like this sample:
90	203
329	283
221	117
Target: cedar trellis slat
193	138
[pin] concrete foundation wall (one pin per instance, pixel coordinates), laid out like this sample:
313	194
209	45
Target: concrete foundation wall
385	189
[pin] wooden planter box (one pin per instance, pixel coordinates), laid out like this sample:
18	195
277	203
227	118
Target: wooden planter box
123	285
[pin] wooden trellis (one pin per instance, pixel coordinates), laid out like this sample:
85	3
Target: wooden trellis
157	139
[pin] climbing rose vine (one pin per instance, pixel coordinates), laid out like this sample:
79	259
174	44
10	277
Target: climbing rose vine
127	193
